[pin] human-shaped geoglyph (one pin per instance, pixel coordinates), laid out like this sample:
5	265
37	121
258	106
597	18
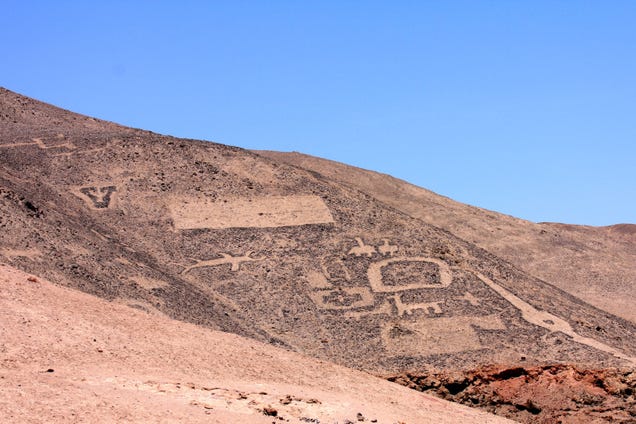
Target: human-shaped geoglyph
226	258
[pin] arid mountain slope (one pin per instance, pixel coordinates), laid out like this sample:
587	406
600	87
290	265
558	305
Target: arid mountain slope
221	237
70	357
596	264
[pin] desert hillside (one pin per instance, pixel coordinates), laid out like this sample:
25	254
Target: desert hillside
222	237
317	259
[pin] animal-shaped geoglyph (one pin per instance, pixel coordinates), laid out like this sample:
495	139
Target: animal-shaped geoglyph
385	309
403	309
430	308
226	258
387	249
343	298
362	249
549	321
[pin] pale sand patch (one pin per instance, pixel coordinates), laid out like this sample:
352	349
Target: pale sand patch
69	357
21	253
263	212
437	335
149	283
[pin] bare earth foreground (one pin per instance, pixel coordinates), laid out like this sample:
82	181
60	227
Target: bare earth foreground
67	356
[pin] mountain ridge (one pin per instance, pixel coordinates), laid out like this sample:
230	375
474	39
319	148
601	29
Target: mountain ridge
157	222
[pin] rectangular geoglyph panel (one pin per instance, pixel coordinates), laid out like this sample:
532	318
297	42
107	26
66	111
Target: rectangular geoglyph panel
263	212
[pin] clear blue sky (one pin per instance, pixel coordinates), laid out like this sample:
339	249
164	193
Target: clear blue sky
523	107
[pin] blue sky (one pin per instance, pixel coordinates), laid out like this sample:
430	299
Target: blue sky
526	108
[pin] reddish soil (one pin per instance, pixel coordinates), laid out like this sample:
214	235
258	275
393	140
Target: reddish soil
540	394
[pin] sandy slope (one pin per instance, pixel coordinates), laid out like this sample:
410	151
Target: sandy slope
70	357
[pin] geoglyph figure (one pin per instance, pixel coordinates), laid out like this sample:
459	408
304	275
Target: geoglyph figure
436	333
376	278
387	249
99	196
362	249
226	258
549	321
327	296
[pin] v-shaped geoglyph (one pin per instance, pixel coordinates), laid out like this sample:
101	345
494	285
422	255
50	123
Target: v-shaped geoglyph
100	197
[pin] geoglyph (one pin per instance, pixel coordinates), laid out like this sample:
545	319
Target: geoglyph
258	212
416	328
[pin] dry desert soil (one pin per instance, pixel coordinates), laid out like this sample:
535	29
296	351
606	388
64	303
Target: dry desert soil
72	357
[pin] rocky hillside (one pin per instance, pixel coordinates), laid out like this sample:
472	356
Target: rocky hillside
540	394
595	264
222	237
